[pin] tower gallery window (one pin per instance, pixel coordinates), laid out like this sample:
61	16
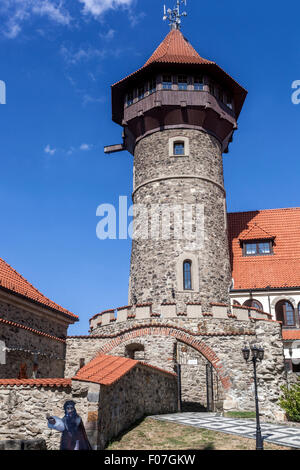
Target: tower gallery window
182	82
167	82
198	83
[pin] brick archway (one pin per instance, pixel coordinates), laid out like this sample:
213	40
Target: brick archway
183	336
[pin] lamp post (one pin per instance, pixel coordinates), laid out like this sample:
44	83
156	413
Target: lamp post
257	354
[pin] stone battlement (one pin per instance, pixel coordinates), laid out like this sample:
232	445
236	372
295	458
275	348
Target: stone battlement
171	310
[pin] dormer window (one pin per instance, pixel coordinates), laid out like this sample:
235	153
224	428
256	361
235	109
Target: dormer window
259	248
182	82
167	82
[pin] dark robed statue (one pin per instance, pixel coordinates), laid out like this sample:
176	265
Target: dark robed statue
72	428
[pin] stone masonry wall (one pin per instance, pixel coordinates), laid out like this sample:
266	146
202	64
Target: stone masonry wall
154	263
105	410
193	377
23	412
25	347
140	392
42	323
218	341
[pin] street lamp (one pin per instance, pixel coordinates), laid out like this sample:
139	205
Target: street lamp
257	354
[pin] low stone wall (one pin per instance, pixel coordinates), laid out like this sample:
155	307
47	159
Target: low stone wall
191	310
141	392
105	410
23	412
33	444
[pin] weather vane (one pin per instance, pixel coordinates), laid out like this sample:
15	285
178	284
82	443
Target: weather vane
174	16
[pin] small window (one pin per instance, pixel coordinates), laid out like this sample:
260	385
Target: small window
187	275
296	368
167	82
250	249
179	145
198	83
182	82
178	148
253	303
257	248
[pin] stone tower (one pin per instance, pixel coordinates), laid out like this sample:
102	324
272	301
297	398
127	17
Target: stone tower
178	113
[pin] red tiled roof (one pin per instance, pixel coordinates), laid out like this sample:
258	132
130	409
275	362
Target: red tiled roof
279	270
17	284
106	370
255	232
176	49
290	334
36	382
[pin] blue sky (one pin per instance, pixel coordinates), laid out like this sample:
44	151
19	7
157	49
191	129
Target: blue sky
58	59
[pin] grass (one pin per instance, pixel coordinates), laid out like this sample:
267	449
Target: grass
151	434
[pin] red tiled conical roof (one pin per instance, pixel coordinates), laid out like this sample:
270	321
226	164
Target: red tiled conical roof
175	48
17	284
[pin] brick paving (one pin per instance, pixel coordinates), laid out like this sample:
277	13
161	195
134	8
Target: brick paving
274	433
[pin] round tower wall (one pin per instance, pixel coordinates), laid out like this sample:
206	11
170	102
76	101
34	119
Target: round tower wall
191	186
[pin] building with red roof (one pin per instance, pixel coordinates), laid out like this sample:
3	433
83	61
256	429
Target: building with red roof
33	329
265	260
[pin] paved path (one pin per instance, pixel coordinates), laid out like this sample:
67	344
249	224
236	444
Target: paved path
275	433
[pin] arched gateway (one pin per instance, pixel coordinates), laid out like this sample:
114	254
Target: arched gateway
202	377
194	343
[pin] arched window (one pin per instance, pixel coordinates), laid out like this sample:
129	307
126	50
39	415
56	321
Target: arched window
187	275
235	302
285	313
253	303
